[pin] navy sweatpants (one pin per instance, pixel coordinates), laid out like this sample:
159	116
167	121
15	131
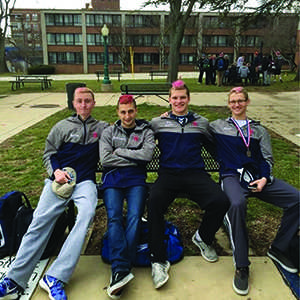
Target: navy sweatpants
280	194
201	189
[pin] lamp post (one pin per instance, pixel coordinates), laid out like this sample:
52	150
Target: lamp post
106	83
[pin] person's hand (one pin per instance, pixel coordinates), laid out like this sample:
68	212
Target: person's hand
260	184
61	176
165	114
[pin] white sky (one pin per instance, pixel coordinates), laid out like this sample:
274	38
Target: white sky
77	4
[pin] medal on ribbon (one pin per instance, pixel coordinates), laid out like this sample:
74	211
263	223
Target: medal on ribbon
245	139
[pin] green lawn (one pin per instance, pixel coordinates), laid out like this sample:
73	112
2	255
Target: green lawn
60	86
21	169
21	164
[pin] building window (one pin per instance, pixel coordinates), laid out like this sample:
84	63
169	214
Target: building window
95	58
189	41
100	20
94	39
77	20
65	58
217	41
90	20
63	20
248	41
51	39
142	21
50	20
187	59
210	22
68	20
35	17
142	40
64	39
146	58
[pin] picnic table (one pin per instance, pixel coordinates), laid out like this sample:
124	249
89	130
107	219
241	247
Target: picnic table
20	80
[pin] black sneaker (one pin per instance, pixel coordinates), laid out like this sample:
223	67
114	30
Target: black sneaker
282	260
117	282
240	281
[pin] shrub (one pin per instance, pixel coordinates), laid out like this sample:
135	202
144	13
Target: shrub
41	69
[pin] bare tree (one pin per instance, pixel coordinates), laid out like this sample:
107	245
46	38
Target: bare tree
4	23
180	11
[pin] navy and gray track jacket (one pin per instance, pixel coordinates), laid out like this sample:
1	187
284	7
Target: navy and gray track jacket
231	150
180	146
74	143
124	157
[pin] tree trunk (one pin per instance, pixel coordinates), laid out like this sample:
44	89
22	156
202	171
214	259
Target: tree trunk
176	36
3	67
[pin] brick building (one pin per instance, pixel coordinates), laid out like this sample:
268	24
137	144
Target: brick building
71	39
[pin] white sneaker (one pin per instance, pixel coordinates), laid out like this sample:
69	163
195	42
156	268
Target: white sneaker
160	273
208	252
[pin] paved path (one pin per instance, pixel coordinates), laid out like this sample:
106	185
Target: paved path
191	279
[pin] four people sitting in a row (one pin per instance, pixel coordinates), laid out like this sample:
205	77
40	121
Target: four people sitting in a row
241	146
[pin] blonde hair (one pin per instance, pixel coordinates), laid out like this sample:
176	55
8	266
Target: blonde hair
82	90
238	90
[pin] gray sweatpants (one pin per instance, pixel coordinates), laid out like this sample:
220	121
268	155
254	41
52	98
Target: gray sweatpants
34	242
280	194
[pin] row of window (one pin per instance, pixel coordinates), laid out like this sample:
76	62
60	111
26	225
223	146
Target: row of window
136	21
150	40
96	58
67	39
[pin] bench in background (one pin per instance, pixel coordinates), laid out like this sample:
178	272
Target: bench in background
112	73
141	89
154	73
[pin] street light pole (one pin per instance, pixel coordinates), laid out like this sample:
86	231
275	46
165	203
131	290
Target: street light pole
106	83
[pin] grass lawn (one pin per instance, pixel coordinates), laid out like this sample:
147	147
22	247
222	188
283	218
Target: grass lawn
21	169
60	85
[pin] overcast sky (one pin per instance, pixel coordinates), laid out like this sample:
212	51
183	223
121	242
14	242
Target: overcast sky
75	4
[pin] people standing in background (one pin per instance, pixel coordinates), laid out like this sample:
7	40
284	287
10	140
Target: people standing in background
240	61
220	68
213	68
244	73
200	67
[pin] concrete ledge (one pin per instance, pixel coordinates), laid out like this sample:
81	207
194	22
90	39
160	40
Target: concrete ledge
191	279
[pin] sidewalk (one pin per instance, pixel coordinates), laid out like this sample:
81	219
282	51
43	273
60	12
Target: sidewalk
191	279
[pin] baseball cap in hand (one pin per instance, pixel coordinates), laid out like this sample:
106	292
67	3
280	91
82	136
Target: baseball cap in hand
65	190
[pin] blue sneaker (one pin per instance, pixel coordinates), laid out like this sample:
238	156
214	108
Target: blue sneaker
54	287
8	289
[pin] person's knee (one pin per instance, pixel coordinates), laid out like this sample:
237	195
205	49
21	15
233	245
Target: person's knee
238	205
87	214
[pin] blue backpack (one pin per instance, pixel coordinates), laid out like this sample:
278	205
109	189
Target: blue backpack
173	242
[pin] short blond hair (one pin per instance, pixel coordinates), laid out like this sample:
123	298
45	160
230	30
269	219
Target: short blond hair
82	90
